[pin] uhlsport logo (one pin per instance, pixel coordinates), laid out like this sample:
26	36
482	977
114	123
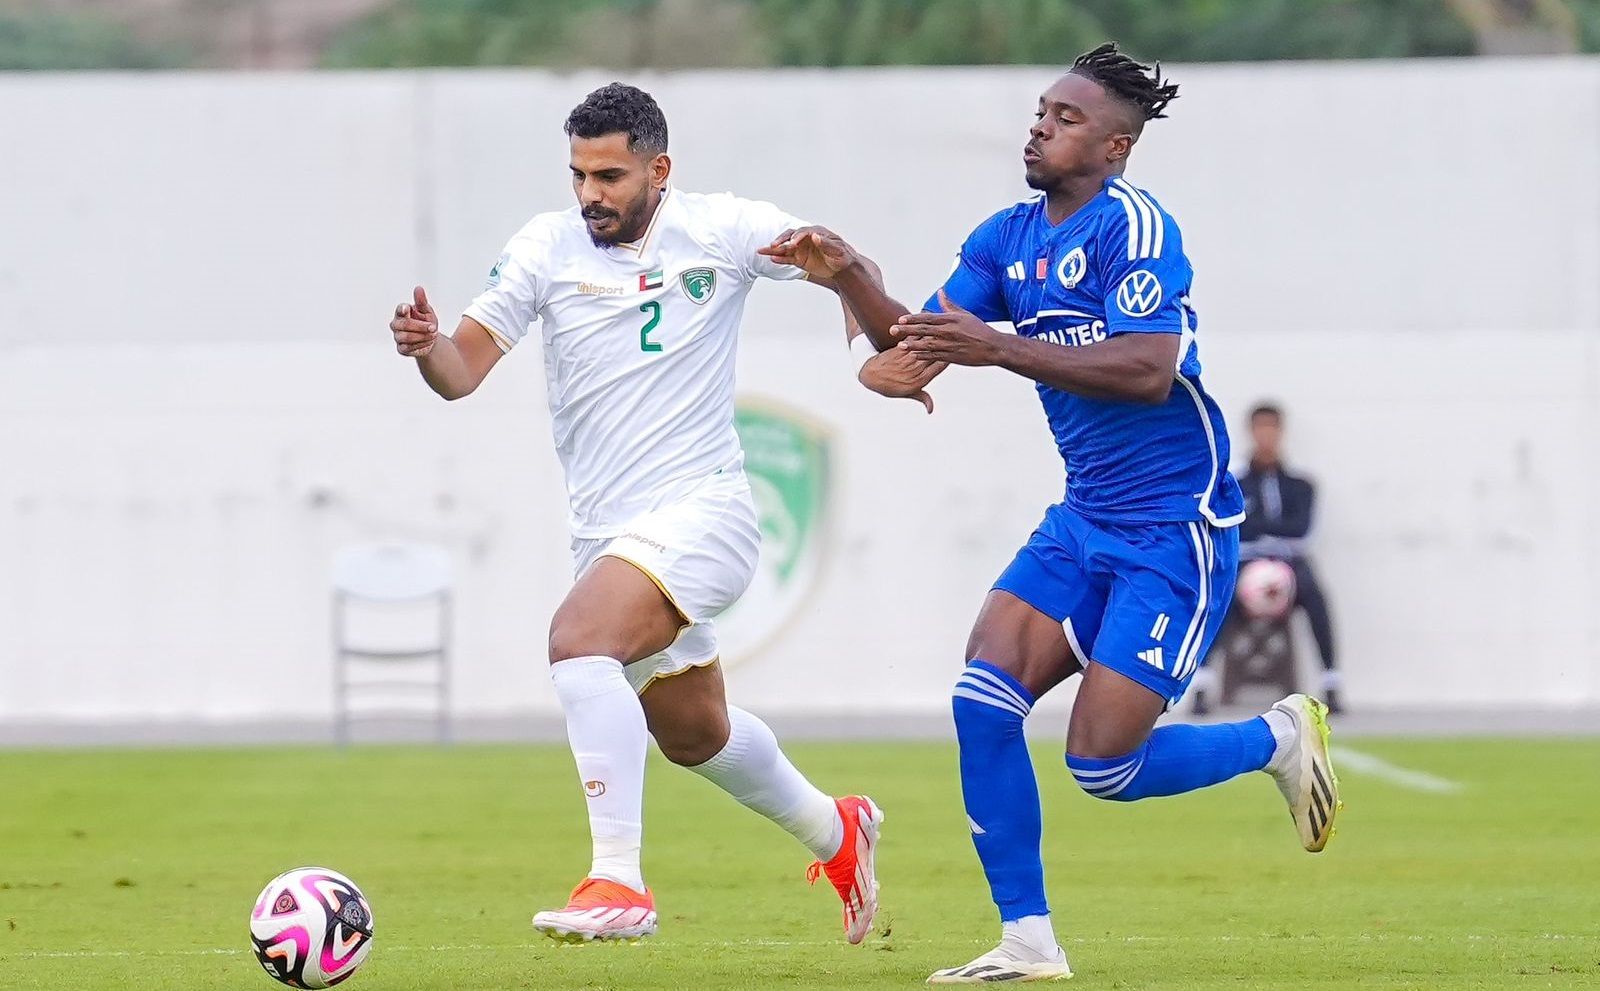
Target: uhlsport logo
1140	294
788	457
699	284
1071	267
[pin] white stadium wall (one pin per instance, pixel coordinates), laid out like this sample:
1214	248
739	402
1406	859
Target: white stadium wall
199	403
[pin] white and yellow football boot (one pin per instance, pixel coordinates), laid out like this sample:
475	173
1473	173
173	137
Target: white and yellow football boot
1011	961
1304	772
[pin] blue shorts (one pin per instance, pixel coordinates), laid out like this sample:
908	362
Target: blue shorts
1143	599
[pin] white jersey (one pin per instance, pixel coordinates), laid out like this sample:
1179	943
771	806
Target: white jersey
639	345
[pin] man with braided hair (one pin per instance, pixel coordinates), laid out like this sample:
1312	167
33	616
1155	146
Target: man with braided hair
1127	579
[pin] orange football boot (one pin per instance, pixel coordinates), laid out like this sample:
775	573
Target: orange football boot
852	870
600	909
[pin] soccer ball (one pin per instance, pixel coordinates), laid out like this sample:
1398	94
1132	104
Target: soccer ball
311	927
1266	589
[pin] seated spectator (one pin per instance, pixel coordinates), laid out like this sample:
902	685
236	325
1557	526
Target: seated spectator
1279	505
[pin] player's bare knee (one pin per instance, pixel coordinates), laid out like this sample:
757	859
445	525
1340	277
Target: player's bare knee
561	645
692	743
569	639
1023	642
689	753
1015	659
1086	743
1097	739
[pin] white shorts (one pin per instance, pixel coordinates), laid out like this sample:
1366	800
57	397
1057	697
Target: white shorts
701	552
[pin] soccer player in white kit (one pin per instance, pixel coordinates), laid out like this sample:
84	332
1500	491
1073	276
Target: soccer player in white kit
638	292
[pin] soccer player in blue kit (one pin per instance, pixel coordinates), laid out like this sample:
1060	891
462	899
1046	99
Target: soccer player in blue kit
1128	578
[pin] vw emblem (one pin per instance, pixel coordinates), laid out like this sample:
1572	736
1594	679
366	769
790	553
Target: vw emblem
1140	294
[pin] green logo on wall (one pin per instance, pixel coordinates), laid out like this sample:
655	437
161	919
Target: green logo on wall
699	284
788	458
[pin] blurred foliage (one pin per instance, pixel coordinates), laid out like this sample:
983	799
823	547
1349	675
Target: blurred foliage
1245	30
559	33
670	34
462	32
54	41
870	32
667	33
1588	12
927	32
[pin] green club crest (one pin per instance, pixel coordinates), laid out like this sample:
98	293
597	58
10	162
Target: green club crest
788	459
494	273
699	284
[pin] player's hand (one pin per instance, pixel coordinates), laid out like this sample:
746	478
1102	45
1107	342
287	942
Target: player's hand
819	251
415	325
954	336
900	375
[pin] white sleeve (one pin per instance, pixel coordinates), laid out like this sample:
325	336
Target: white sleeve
514	294
758	224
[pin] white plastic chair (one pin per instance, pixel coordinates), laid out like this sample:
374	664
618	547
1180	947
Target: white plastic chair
375	586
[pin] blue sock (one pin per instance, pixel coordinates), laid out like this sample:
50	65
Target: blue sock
998	786
1176	759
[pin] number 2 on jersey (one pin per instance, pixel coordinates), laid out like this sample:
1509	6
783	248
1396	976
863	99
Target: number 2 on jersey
654	309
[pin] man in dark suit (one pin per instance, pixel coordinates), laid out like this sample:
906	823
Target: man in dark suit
1279	508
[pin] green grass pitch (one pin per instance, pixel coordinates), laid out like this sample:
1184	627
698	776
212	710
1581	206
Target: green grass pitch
137	869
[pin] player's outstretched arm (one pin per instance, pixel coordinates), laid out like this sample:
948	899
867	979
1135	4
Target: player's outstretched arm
1132	368
893	373
452	366
830	261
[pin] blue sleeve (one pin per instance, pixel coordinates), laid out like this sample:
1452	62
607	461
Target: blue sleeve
1143	273
975	283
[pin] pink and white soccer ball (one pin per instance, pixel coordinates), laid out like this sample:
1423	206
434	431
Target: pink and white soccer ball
1266	589
311	927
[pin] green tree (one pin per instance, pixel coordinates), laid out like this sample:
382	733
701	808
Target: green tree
927	32
463	32
1051	33
1588	12
48	41
1236	30
811	35
899	32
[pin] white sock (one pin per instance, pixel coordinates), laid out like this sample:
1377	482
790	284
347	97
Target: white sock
753	770
1330	680
1034	933
606	730
1282	726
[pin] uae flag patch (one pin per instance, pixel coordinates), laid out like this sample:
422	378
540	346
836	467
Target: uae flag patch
650	280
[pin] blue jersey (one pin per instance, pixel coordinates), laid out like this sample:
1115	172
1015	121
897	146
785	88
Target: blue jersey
1116	266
